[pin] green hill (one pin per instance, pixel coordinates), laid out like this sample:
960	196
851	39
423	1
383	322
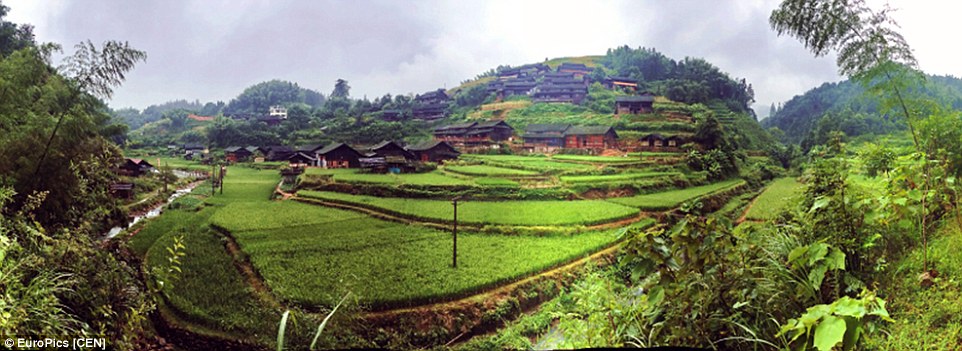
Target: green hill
849	110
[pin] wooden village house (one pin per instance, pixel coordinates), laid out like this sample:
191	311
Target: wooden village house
548	137
134	167
591	137
338	155
633	105
434	151
658	142
622	83
237	154
578	69
431	105
475	135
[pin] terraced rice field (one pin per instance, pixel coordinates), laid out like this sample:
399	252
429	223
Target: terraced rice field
520	213
392	265
622	177
533	163
490	171
354	176
774	199
674	198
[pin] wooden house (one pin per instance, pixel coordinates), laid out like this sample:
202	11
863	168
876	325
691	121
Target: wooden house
392	115
653	140
573	93
431	105
122	190
545	136
135	167
237	154
675	141
623	83
434	151
277	152
634	105
391	148
578	69
338	155
301	159
475	134
193	149
591	137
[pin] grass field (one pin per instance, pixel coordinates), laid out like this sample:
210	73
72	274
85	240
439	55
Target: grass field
489	171
523	213
674	198
776	196
353	176
623	177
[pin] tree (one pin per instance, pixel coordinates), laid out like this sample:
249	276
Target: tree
13	37
341	89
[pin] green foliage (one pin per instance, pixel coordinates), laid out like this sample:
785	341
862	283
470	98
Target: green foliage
258	98
876	159
844	321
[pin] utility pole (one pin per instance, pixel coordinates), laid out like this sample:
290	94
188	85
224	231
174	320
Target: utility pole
454	253
222	171
164	174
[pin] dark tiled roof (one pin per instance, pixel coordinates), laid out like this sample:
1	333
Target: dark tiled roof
588	130
424	145
640	98
334	146
547	128
232	149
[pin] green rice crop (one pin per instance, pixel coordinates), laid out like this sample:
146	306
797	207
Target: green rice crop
496	182
391	265
523	213
674	198
776	196
489	171
241	216
622	177
354	176
596	159
209	290
532	163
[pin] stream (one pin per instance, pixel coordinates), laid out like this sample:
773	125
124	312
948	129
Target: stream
153	212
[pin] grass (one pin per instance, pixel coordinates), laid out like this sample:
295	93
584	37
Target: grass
171	221
775	197
353	176
616	177
489	171
389	264
246	184
674	198
522	213
242	216
926	318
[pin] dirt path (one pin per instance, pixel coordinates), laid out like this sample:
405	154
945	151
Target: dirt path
253	278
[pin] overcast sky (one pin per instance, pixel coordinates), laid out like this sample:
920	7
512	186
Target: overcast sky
212	49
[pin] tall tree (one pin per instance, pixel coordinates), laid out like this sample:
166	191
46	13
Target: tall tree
341	89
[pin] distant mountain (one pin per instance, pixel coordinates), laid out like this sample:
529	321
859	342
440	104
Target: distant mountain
853	112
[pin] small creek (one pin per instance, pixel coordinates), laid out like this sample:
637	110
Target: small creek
155	211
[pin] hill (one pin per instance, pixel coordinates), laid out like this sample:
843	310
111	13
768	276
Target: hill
801	118
687	89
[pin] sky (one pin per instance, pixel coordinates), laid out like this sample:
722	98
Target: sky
211	50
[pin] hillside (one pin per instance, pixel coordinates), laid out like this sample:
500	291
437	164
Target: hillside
687	90
849	110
